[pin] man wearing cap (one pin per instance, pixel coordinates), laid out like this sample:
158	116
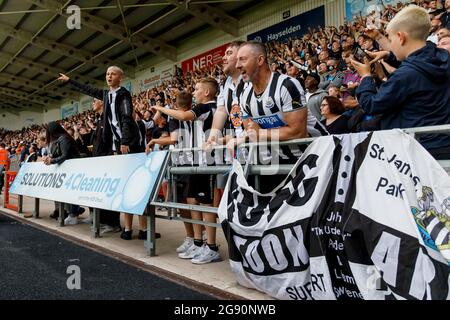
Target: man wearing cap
314	95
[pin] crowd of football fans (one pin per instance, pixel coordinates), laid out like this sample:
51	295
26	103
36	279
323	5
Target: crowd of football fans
323	52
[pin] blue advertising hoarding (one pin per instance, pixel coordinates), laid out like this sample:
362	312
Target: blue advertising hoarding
69	110
365	7
293	27
121	183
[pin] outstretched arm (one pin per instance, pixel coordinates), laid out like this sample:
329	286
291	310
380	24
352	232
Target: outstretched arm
83	88
177	114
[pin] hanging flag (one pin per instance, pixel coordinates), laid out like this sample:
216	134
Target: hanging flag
360	216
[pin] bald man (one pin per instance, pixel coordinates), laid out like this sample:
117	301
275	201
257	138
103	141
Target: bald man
273	108
120	130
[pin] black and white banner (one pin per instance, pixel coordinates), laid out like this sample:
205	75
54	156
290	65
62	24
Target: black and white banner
360	216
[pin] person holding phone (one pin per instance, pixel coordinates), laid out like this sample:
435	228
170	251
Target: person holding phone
416	94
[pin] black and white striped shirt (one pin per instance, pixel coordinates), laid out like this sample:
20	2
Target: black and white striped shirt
228	98
113	121
192	134
282	94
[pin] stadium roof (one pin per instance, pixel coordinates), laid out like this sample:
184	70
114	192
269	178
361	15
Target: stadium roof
36	43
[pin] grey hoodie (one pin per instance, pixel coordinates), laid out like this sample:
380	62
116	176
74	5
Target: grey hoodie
315	101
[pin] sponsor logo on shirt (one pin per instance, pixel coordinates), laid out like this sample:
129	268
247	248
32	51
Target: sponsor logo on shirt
268	122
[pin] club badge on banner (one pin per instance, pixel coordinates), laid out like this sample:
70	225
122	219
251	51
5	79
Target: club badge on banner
119	183
360	216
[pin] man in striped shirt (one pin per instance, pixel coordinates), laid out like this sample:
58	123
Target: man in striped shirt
227	122
228	115
274	109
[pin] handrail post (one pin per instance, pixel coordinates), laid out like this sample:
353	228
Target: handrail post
96	223
20	204
168	176
6	194
174	182
150	243
255	162
36	208
61	214
249	161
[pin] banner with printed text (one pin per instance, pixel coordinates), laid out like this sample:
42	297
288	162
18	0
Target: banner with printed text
294	27
360	216
204	60
86	103
152	79
69	110
119	183
356	8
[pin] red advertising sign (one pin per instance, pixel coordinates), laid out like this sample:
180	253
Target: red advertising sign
204	60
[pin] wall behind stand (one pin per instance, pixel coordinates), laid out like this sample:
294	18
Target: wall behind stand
16	121
267	14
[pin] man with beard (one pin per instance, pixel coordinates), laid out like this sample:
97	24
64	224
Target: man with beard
274	109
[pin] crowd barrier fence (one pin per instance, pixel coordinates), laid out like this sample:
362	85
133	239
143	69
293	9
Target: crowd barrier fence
172	171
9	179
248	169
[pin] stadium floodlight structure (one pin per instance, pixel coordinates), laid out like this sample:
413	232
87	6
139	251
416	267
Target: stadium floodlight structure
211	15
153	45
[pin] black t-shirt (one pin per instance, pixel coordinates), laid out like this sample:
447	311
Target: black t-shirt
194	133
338	126
336	55
445	20
86	138
158	131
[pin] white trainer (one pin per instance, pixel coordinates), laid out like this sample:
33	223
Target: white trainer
185	245
109	229
88	220
70	220
192	252
207	256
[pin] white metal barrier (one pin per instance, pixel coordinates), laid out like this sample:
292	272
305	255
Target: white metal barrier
220	169
251	169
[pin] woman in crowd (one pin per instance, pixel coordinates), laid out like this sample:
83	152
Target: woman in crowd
62	147
334	120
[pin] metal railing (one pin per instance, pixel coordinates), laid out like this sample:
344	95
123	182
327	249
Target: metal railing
252	169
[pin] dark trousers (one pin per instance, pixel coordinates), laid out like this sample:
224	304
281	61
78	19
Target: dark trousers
269	182
2	178
111	218
440	153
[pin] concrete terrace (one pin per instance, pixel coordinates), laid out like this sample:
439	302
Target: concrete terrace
216	278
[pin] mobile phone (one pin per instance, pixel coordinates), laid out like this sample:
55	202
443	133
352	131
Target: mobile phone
359	55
